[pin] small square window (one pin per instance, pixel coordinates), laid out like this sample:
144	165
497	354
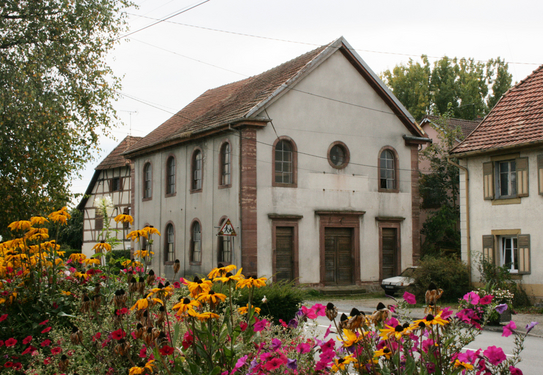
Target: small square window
116	184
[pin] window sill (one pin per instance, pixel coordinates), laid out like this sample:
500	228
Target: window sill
388	190
146	199
503	201
225	186
196	191
171	195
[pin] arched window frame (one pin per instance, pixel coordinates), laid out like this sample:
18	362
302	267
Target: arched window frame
147	181
169	243
395	171
224	242
197	171
170	182
225	165
294	162
195	242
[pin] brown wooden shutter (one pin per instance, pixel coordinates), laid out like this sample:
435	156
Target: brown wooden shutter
524	253
488	180
540	172
488	248
522	176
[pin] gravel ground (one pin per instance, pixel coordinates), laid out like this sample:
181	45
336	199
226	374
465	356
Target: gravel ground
368	305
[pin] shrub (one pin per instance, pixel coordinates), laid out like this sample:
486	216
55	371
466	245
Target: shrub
283	300
499	277
447	273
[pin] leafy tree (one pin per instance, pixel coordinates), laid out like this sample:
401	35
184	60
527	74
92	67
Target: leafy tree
467	87
439	190
71	234
56	94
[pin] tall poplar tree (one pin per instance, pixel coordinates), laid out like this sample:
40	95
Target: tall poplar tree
467	88
56	94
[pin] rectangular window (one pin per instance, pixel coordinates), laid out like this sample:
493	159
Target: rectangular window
116	184
98	220
225	249
506	179
509	249
509	253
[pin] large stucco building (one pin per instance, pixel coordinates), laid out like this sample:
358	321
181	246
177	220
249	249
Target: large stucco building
501	186
314	162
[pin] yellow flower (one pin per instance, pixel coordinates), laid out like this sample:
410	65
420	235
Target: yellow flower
38	220
136	234
211	297
385	352
340	363
463	365
245	309
199	286
143	253
151	230
20	225
429	321
92	261
124	219
396	332
251	282
228	276
37	234
351	338
60	216
184	305
218	272
141	304
136	370
78	257
102	246
205	316
66	293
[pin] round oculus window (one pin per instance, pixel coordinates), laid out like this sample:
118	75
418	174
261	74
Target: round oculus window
339	156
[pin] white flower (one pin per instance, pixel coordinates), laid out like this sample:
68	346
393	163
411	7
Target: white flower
264	300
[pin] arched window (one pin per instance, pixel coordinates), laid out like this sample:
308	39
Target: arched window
196	243
225	246
225	164
388	170
284	163
197	167
170	176
169	249
147	180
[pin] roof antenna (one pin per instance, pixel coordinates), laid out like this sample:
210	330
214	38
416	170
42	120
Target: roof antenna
130	124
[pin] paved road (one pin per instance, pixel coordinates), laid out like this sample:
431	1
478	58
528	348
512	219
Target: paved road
532	358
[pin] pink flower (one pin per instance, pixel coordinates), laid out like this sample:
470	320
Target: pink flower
118	334
122	311
10	342
243	326
240	363
303	348
515	371
166	350
47	360
274	363
45	330
319	309
44	322
472	298
495	355
96	336
3	317
509	329
310	313
328	331
409	298
260	325
486	300
143	352
27	339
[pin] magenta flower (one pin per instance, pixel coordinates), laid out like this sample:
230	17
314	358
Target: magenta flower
310	313
303	348
319	309
472	298
515	371
446	313
276	344
274	363
46	343
509	329
3	317
486	300
260	325
45	330
530	326
495	355
240	363
27	339
56	350
409	298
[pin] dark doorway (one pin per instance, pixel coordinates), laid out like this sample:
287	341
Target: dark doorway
338	254
284	258
389	264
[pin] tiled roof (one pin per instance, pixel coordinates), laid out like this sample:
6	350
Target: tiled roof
226	103
115	159
517	119
240	100
466	126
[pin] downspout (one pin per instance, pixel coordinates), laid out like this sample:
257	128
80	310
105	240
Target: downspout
468	234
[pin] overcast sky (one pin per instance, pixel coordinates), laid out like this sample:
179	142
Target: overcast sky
168	65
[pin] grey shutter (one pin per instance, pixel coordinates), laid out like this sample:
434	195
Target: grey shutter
524	253
488	249
522	176
488	180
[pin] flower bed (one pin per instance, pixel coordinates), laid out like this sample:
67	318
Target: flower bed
91	320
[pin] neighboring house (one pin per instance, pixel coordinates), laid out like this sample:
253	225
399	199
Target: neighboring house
431	125
502	202
314	162
112	177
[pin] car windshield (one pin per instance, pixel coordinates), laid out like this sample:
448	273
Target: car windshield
408	272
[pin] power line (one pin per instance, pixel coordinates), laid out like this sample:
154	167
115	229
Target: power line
312	44
164	19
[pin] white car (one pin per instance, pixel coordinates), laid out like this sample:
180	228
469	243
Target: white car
392	285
